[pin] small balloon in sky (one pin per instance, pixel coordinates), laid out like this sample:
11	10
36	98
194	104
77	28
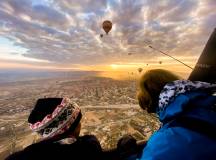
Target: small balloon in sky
147	64
107	26
140	70
160	62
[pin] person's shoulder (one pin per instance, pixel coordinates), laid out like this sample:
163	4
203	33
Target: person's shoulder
16	156
88	136
158	145
89	140
85	147
166	142
38	150
26	153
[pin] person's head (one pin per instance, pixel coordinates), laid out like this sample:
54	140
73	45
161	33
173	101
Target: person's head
127	143
150	85
55	118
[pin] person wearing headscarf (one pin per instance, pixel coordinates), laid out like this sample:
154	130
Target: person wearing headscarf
57	121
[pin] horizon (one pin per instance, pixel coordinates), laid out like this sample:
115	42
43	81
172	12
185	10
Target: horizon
23	75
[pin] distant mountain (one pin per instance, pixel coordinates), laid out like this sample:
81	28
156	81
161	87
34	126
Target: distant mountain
8	75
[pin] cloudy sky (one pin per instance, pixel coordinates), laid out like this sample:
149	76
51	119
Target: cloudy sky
66	33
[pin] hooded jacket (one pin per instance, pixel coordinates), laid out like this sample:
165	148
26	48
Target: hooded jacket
187	112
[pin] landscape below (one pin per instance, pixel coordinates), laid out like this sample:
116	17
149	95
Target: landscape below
110	109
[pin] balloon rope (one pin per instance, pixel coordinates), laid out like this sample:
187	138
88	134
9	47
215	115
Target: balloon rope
168	55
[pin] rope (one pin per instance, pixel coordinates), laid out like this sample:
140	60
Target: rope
167	55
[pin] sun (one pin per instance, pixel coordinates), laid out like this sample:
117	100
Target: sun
114	66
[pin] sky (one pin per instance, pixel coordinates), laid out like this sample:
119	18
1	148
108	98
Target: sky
65	34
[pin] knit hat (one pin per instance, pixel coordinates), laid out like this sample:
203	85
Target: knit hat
53	117
205	69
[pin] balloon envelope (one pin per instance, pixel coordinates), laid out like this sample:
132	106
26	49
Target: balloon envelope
140	70
107	26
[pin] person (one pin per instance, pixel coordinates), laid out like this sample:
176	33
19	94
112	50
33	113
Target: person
57	120
126	149
150	86
187	112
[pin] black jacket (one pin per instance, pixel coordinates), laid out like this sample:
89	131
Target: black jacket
86	147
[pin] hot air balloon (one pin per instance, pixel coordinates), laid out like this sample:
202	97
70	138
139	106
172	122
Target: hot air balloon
160	62
129	53
147	64
107	26
101	35
140	70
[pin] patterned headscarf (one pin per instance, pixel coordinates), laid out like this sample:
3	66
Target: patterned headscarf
59	121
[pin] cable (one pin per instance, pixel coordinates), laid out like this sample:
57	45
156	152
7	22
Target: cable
167	55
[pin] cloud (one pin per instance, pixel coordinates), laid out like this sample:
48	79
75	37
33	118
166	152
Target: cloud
68	31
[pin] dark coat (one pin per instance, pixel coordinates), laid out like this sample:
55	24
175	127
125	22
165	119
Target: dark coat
86	147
